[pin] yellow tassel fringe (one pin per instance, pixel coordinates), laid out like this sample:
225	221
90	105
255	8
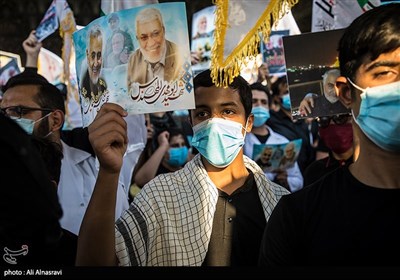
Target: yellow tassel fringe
223	72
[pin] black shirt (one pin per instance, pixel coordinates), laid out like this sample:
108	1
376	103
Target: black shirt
337	221
29	207
321	167
238	225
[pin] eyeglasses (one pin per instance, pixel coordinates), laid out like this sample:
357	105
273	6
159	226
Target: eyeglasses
154	35
20	111
337	119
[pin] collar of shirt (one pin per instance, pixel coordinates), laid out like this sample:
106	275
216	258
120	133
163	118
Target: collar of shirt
75	155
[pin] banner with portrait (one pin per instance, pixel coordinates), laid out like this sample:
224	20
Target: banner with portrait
10	65
271	157
202	38
272	52
49	23
138	58
7	71
312	75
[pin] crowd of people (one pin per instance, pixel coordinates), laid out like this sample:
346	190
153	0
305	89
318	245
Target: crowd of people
192	193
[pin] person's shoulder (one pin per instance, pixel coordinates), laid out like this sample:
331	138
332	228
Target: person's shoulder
172	46
102	84
74	155
276	138
328	183
135	56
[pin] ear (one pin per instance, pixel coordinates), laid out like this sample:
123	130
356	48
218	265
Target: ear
250	122
54	184
343	91
58	120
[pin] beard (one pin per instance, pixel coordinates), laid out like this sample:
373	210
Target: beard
331	97
43	128
94	79
152	58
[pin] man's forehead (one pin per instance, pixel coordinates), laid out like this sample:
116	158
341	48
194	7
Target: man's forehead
149	24
28	89
95	47
213	96
20	95
259	94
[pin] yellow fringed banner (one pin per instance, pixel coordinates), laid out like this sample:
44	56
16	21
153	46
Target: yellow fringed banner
231	20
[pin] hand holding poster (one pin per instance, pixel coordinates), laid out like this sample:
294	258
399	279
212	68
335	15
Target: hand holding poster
138	58
312	75
278	156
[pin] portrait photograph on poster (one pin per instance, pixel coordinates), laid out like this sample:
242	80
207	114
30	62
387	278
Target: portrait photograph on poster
311	76
49	23
272	52
202	38
271	157
138	58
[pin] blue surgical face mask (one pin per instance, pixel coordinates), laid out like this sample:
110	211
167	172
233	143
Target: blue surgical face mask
178	156
261	115
218	140
28	124
379	116
286	101
25	124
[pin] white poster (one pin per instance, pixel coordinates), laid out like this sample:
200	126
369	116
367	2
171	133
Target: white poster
138	58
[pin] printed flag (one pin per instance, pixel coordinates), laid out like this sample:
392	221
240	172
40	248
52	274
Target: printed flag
287	22
67	27
337	14
110	6
49	24
236	37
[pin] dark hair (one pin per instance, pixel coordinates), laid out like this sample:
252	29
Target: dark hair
204	79
275	85
259	86
52	155
173	131
48	96
35	222
375	32
176	131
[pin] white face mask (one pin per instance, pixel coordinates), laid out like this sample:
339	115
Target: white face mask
379	116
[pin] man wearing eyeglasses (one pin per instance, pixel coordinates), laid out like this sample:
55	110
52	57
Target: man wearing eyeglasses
156	56
38	107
